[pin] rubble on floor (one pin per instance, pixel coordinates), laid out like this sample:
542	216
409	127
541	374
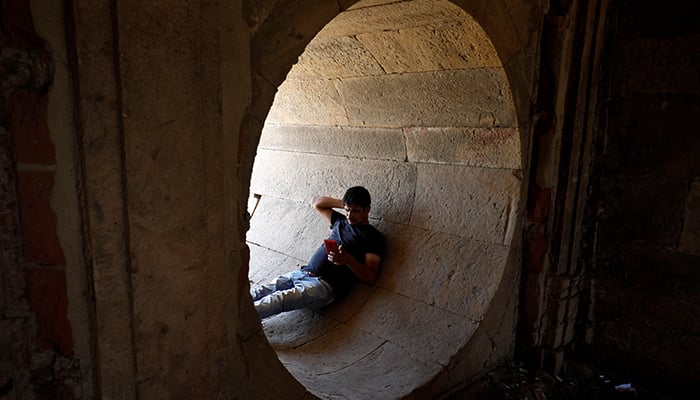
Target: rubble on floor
581	382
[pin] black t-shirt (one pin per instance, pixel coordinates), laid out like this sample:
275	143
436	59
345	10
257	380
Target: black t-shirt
356	240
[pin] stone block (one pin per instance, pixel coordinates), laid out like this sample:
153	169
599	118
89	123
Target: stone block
521	70
497	20
290	330
39	237
453	45
392	16
478	147
339	347
277	43
342	141
400	372
442	270
435	333
469	202
336	57
308	102
300	177
355	5
277	381
346	309
465	98
266	264
290	229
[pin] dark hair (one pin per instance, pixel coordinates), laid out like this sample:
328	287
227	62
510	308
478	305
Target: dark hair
358	196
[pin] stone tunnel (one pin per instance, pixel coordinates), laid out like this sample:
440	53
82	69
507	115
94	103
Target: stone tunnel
528	162
412	101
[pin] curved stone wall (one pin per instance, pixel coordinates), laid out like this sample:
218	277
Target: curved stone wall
411	100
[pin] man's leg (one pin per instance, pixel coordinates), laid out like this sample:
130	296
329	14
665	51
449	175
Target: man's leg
282	282
306	292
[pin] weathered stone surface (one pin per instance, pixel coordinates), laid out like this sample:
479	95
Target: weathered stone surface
356	142
452	45
474	203
690	235
335	57
265	264
299	177
361	379
354	4
336	349
391	17
310	102
443	270
436	282
435	333
287	29
465	98
298	232
489	148
498	22
171	121
289	330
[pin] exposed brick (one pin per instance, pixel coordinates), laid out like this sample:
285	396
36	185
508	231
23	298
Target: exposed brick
539	204
29	127
38	221
48	298
535	250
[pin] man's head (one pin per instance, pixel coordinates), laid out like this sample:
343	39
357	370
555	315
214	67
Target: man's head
357	202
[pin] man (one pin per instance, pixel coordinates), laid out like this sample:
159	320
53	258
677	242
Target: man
329	275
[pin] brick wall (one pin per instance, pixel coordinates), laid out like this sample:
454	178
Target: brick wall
37	343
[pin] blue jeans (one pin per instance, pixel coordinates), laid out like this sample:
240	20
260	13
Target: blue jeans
291	291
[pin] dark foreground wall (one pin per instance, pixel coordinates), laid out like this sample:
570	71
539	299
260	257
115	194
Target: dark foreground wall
646	262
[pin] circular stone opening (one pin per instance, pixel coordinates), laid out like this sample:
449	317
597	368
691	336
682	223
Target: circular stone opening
410	100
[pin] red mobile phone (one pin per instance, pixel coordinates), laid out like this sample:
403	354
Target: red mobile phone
331	245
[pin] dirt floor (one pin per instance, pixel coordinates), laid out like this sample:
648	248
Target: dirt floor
581	382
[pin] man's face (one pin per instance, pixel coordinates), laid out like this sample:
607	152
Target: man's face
356	215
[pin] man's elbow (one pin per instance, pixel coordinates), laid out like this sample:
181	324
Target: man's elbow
372	275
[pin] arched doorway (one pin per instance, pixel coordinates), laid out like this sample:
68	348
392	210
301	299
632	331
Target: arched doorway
412	100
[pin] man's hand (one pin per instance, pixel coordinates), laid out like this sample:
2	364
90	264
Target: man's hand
367	272
341	257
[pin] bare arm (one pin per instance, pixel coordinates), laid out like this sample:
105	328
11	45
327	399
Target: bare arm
367	272
325	205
